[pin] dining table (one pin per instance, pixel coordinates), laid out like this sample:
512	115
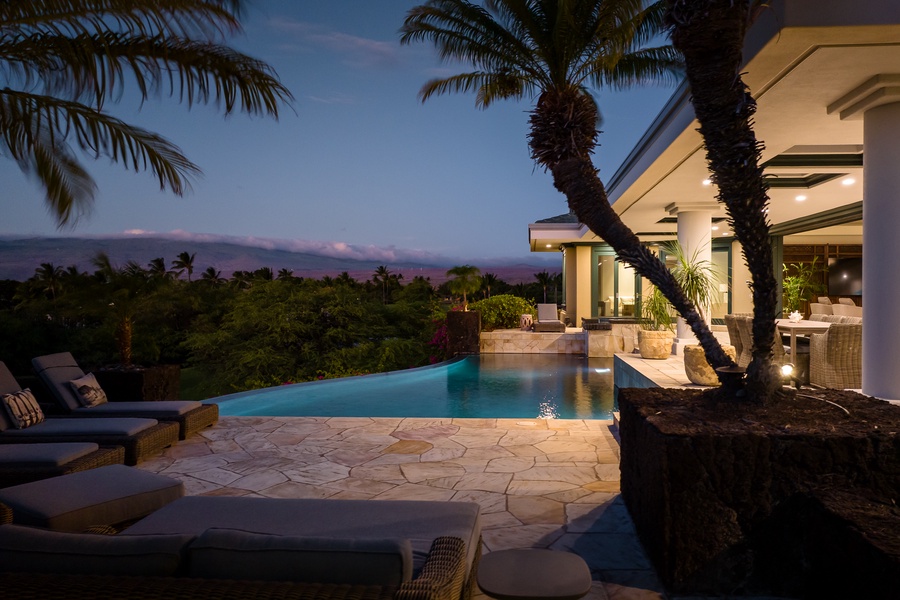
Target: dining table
801	327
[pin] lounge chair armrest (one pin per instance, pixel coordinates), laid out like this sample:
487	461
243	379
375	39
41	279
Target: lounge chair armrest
444	573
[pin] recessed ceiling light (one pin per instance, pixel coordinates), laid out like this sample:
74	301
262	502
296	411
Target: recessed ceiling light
848	181
715	227
800	198
727	233
549	245
706	182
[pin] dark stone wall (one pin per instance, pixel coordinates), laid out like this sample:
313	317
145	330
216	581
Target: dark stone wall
712	495
463	330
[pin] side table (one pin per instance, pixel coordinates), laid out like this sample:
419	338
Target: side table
533	575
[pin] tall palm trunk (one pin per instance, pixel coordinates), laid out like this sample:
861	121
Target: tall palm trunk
710	35
563	136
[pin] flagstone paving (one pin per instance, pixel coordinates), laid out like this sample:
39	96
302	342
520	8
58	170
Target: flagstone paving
541	483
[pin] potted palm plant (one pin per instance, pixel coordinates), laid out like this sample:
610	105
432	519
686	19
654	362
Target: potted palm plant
656	335
699	280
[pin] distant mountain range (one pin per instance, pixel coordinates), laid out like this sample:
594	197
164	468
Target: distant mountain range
19	257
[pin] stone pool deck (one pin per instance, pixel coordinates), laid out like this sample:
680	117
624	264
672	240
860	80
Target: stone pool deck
541	483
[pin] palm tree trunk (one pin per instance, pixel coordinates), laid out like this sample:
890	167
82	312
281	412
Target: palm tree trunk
710	35
562	138
577	179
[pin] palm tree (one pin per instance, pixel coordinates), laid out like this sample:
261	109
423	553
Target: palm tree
554	49
62	61
212	276
50	277
285	274
382	274
466	279
184	262
488	280
710	35
544	279
157	269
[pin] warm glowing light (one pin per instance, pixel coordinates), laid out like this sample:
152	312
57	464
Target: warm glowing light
715	227
787	369
549	245
800	198
848	181
707	182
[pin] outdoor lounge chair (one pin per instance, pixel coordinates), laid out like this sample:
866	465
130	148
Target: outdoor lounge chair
140	438
58	371
548	319
24	463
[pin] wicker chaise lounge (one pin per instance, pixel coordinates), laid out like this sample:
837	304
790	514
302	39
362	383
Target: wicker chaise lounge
24	463
58	370
206	547
141	438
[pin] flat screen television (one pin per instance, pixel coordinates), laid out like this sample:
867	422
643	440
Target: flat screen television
845	277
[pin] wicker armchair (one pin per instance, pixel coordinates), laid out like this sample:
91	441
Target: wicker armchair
836	357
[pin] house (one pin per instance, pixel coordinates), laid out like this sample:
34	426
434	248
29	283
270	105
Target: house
826	77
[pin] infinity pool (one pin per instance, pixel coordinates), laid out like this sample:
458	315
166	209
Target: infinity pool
486	386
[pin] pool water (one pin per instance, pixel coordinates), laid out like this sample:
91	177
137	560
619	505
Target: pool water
487	386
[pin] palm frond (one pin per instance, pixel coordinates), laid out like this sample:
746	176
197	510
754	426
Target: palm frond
33	128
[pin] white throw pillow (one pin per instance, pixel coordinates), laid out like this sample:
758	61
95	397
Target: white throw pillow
88	391
23	409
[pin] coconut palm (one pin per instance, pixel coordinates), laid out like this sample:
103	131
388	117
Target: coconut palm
382	274
212	276
285	274
554	49
710	35
488	280
544	279
466	279
63	61
50	278
184	263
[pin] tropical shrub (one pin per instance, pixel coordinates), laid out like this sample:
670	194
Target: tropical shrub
502	312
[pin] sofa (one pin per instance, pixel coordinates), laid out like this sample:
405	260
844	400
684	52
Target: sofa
229	547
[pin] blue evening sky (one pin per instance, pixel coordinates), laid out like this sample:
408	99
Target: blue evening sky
359	166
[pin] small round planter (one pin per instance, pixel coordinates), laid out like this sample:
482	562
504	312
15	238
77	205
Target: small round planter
655	344
696	367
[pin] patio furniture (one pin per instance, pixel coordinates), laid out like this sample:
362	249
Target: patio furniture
824	300
846	302
800	327
745	332
24	463
548	319
231	547
139	437
820	308
58	371
848	310
107	495
836	357
534	574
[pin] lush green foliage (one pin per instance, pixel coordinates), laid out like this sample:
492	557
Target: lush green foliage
698	278
502	312
656	311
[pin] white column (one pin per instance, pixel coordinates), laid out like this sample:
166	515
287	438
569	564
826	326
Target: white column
694	236
881	250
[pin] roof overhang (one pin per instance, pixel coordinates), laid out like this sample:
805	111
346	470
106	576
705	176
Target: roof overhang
806	62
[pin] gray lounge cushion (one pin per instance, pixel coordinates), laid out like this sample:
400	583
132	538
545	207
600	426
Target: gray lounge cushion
417	521
44	455
236	554
30	550
88	391
22	409
103	496
159	410
113	427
